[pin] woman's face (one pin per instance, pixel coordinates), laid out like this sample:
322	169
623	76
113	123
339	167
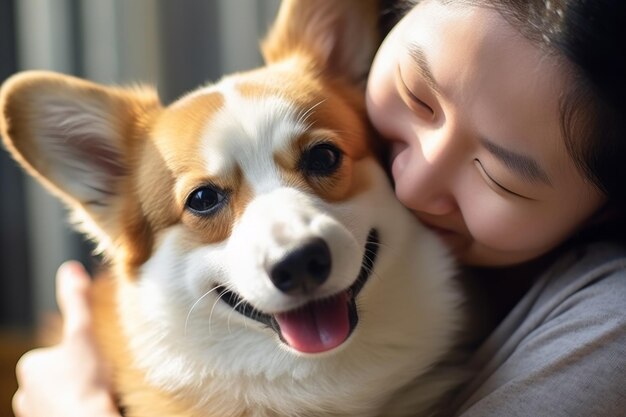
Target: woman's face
471	111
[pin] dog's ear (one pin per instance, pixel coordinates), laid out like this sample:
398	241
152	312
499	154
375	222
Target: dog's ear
340	36
77	138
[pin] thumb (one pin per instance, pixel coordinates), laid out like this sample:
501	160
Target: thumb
73	292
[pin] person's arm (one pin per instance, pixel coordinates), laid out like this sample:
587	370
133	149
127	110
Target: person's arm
67	379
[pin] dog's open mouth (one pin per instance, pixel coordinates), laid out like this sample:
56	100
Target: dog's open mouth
319	325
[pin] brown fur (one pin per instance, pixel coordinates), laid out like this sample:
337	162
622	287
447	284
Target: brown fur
145	399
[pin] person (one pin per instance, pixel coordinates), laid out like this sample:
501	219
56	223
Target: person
505	122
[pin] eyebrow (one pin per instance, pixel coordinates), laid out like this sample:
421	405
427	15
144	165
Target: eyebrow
522	165
423	67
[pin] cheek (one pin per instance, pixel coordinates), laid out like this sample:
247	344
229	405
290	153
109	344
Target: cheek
503	231
181	268
506	226
390	119
378	100
494	221
382	101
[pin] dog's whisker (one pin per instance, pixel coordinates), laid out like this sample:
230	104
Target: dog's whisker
369	260
379	244
308	126
308	111
373	274
368	264
222	294
217	300
193	306
376	244
303	117
231	312
254	315
345	133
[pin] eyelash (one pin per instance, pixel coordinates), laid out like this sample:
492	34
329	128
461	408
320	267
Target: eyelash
490	180
407	91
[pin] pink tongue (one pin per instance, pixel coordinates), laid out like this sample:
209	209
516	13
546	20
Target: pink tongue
318	326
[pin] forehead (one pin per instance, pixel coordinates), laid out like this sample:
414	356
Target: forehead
245	121
221	123
476	48
500	84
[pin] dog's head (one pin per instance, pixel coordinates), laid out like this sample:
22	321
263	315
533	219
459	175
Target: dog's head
256	230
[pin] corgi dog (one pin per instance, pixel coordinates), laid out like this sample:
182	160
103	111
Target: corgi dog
260	264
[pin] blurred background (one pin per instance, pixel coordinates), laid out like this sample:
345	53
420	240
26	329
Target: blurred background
175	45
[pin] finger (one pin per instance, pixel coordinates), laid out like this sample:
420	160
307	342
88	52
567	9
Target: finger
19	404
26	365
23	373
73	296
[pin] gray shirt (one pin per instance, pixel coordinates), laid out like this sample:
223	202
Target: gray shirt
561	351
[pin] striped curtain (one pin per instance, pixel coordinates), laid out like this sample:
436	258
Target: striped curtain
175	45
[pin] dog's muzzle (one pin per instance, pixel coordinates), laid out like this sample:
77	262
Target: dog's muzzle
322	324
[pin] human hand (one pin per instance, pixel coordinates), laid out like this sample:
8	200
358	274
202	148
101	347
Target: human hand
68	379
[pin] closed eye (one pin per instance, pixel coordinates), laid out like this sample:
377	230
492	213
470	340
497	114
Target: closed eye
493	183
406	92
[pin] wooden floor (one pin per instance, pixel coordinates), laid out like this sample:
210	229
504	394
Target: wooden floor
13	343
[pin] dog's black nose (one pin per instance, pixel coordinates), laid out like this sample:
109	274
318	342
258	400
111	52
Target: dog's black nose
304	269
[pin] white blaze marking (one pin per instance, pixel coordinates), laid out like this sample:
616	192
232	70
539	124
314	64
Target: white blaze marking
247	132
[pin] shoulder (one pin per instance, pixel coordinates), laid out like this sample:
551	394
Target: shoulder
591	279
562	350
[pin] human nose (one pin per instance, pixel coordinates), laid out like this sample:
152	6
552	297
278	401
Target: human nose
427	181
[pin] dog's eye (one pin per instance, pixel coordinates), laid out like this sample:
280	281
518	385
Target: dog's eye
321	160
205	200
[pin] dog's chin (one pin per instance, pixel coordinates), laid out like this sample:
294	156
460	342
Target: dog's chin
321	324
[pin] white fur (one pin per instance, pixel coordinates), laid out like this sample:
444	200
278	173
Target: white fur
408	309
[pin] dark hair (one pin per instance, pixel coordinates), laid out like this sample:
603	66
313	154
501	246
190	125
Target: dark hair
590	35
